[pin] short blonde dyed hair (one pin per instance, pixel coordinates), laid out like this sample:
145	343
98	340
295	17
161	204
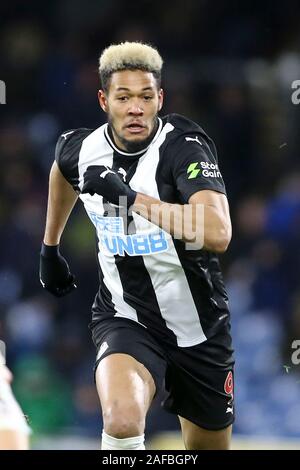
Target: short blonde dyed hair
129	56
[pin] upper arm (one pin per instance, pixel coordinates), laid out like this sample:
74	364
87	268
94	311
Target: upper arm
59	188
67	153
63	184
215	200
195	166
216	223
61	200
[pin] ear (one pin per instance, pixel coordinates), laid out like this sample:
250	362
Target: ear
102	100
160	99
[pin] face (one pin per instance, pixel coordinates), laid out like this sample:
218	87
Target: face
132	104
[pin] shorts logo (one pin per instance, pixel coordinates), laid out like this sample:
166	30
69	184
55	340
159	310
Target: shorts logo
228	384
103	348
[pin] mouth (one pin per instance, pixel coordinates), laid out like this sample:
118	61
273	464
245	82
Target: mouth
135	128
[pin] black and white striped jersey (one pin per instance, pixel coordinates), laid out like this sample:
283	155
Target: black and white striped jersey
145	274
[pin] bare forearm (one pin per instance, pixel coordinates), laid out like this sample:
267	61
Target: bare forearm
61	200
170	217
191	223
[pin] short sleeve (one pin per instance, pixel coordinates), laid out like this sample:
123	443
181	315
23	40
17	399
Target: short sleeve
195	165
67	154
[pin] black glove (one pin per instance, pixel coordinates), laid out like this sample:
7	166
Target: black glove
55	275
102	180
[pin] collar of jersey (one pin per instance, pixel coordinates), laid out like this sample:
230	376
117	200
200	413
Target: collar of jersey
111	143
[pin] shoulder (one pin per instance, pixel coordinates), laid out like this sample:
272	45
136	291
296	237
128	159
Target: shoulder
70	141
183	125
186	138
191	158
67	153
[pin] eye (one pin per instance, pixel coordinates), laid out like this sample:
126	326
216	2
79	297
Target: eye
122	98
148	97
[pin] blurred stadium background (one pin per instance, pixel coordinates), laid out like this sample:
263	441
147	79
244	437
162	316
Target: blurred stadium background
229	66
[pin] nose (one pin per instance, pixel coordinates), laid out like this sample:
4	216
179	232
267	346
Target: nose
135	109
